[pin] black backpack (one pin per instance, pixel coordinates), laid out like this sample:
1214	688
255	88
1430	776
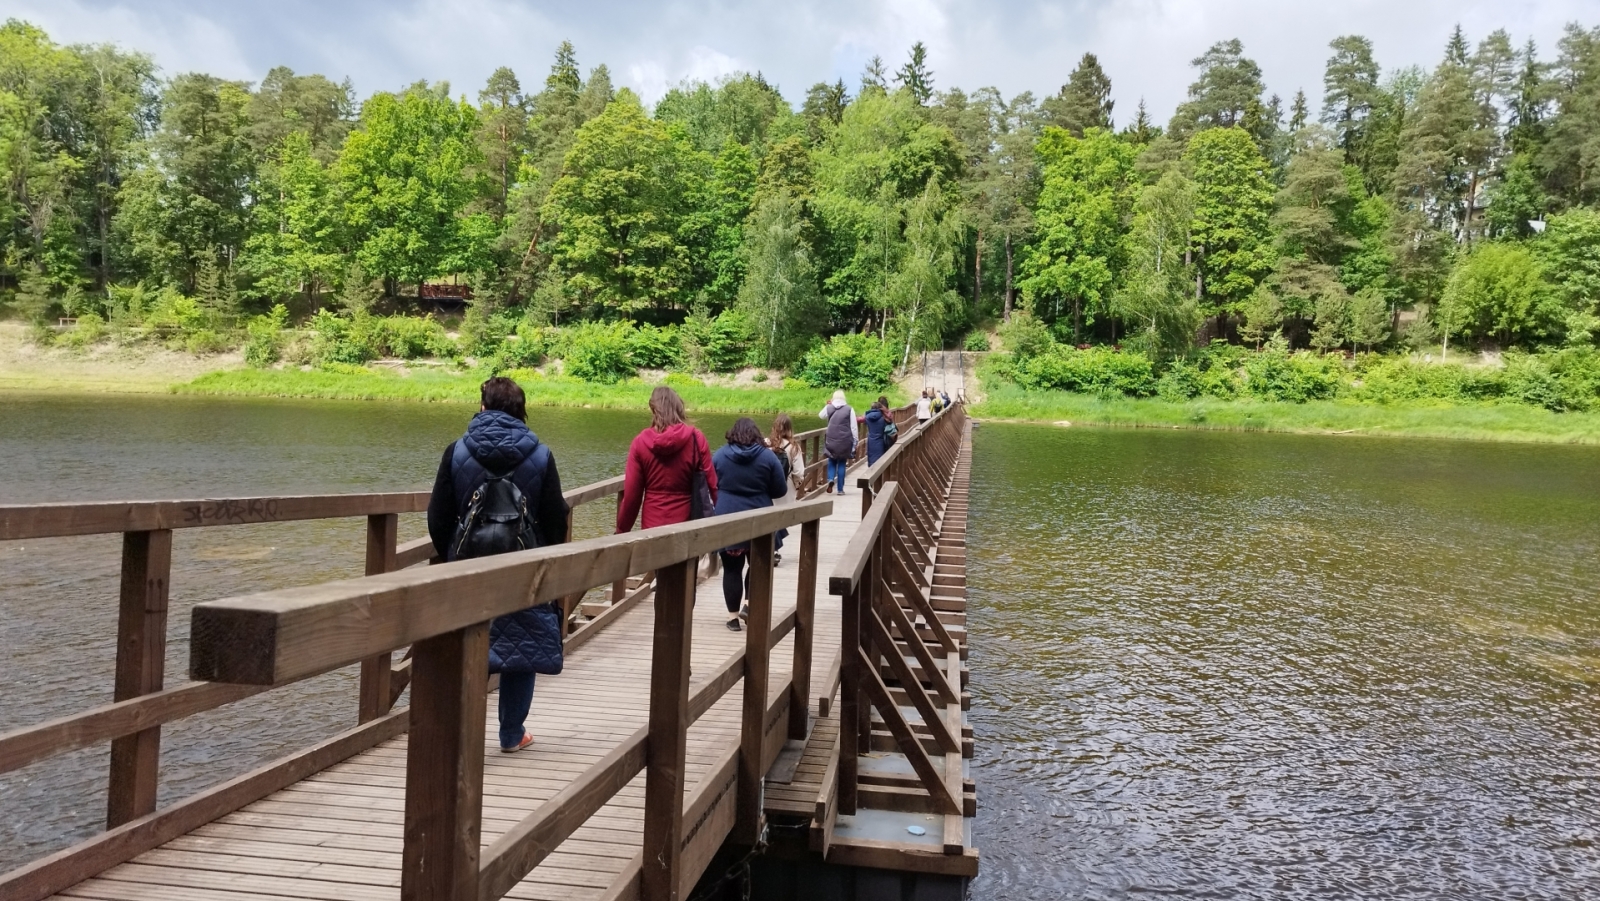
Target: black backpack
496	521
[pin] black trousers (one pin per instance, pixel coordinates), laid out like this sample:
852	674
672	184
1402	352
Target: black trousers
735	581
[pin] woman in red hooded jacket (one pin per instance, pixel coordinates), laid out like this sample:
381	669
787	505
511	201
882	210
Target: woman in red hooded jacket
661	462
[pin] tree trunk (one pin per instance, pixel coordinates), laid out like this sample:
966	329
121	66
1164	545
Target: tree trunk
1007	315
977	277
1077	320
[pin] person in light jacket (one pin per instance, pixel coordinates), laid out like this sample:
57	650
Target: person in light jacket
840	442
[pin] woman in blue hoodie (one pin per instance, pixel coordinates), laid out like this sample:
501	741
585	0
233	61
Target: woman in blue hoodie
748	476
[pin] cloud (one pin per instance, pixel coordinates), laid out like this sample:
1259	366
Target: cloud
1016	45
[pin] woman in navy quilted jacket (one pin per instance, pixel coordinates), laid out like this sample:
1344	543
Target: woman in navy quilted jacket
498	441
749	476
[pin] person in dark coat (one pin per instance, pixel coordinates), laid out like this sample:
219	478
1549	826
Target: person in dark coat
876	419
749	476
497	441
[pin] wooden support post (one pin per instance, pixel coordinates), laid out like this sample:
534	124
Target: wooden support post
850	708
444	767
753	722
669	733
805	604
382	535
141	657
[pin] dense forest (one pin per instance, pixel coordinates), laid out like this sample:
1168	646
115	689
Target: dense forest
1413	208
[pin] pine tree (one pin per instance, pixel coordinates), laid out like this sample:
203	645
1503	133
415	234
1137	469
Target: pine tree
915	75
504	126
874	77
1349	92
1531	105
1298	111
1140	131
1084	102
1228	85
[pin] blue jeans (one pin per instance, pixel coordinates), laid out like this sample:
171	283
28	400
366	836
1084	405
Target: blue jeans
836	471
516	696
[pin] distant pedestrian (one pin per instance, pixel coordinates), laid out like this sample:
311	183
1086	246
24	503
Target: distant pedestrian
840	441
877	418
749	477
925	406
945	396
659	477
485	478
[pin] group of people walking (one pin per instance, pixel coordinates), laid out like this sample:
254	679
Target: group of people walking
498	490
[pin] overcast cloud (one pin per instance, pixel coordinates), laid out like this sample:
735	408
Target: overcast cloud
1144	45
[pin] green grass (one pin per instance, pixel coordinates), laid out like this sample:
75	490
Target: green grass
366	384
1478	422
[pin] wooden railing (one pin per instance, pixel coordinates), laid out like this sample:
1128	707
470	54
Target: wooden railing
884	581
142	703
444	611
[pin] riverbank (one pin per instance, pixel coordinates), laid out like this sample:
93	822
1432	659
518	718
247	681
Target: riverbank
1477	422
25	367
352	383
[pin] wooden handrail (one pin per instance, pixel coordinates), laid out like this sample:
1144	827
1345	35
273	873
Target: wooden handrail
847	572
281	636
19	521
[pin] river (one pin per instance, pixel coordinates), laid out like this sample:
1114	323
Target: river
1204	665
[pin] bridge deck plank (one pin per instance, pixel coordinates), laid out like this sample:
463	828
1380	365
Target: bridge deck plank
337	834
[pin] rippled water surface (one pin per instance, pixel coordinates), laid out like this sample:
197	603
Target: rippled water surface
1245	666
58	598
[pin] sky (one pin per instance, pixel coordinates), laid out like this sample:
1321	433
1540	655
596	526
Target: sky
650	45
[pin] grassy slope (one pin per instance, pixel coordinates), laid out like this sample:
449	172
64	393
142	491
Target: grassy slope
1485	422
463	387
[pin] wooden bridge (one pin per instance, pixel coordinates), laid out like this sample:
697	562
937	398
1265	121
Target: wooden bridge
825	747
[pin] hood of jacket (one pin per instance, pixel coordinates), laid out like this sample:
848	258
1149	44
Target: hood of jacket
499	440
875	414
671	442
743	454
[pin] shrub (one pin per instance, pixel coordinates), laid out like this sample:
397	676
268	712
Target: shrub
654	347
852	362
1566	380
206	341
334	340
408	337
1387	381
90	329
598	352
1098	370
519	351
1274	374
1180	382
727	343
263	344
1025	336
976	342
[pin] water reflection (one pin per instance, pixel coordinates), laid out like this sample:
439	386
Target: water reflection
1269	667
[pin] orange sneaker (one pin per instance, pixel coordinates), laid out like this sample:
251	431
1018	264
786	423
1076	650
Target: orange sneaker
527	739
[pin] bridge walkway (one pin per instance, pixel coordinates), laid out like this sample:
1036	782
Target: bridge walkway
338	834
